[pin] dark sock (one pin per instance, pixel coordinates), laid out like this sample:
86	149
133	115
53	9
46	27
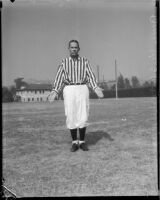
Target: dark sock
82	132
74	134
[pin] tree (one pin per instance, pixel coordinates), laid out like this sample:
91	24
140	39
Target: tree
19	83
113	87
152	84
135	82
149	84
127	83
146	84
6	95
103	85
120	82
12	90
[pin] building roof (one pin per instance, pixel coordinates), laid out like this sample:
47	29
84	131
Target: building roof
36	87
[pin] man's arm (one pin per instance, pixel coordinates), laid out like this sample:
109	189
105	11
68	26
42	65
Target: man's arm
57	84
93	81
58	80
90	75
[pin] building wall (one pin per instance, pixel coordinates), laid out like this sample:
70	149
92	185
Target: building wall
33	95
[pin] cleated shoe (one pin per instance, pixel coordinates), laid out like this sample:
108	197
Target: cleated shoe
74	147
83	146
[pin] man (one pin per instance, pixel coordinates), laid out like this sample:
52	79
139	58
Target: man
75	73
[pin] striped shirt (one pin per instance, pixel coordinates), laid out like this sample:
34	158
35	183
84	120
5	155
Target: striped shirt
74	71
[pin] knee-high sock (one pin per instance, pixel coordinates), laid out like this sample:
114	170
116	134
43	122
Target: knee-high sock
82	132
74	134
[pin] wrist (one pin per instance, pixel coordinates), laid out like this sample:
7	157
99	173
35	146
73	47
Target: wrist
54	91
95	88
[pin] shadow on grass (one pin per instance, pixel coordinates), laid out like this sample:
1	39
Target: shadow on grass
93	137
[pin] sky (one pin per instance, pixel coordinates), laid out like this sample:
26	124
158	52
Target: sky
35	36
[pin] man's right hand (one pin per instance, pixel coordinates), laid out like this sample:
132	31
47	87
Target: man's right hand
51	97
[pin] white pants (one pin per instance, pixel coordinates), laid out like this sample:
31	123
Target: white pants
76	104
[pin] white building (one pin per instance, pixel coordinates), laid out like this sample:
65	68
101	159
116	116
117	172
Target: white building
34	93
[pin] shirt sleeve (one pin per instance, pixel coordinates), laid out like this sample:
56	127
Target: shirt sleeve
58	79
90	76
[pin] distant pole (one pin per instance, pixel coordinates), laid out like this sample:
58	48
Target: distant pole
116	79
98	73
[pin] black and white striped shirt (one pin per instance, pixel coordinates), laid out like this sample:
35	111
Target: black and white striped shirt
74	71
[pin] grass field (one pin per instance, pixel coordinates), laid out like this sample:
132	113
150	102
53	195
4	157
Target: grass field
122	160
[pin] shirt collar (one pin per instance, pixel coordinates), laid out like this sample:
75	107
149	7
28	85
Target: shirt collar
78	58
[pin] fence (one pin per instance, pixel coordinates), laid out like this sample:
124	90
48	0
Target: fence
132	92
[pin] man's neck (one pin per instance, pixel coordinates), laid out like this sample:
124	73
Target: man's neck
74	57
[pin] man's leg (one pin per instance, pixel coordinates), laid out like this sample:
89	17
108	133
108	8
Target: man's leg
82	132
69	104
74	140
74	135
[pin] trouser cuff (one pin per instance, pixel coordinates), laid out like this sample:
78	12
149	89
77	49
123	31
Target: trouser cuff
81	141
75	142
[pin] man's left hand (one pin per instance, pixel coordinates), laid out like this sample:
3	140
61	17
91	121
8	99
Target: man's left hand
99	92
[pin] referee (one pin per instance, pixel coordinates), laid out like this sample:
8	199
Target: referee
75	74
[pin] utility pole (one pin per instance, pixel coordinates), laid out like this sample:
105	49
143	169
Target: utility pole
116	79
103	78
98	73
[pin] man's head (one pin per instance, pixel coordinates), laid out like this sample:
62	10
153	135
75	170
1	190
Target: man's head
74	48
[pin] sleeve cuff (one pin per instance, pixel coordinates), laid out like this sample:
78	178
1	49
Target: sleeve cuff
95	88
54	90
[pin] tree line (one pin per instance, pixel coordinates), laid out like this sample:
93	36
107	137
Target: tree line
125	83
9	93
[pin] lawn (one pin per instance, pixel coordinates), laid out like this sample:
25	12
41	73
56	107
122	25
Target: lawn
122	156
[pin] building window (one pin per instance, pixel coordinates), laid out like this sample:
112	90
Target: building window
35	92
32	99
41	99
37	99
28	99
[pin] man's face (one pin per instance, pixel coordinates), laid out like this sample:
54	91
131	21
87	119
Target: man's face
73	49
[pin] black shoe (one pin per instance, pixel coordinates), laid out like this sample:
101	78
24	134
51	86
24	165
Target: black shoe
83	146
74	147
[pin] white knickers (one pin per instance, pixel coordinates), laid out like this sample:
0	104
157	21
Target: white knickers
76	104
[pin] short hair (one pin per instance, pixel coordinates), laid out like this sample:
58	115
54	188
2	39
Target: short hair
73	41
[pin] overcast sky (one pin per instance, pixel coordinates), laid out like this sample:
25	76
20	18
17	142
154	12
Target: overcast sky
35	37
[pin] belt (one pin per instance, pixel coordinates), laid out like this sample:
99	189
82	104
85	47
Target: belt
75	83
